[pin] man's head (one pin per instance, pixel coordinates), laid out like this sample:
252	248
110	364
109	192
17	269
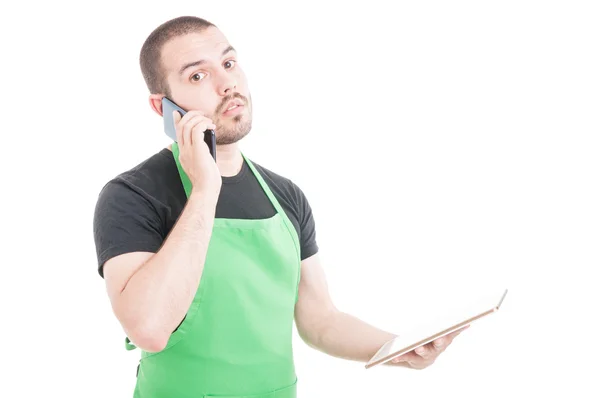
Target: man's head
190	61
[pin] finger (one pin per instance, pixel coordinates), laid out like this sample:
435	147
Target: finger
425	351
181	121
204	125
176	116
199	128
439	344
408	357
190	115
422	352
188	127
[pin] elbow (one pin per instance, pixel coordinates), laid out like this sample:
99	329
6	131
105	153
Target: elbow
148	340
313	327
146	335
154	345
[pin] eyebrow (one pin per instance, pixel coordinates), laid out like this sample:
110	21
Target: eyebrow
200	62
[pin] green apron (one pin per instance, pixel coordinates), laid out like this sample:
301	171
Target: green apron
236	338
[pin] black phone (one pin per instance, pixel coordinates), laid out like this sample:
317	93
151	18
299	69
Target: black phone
168	106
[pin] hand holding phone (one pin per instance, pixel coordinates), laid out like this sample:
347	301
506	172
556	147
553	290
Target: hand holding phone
168	107
194	154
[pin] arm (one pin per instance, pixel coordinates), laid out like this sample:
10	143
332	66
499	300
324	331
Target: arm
151	293
323	327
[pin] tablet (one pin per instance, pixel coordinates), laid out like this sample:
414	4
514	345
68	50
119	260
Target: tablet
406	343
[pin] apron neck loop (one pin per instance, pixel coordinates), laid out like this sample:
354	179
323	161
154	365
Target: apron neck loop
187	185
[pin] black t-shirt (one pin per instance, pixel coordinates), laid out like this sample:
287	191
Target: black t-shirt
136	210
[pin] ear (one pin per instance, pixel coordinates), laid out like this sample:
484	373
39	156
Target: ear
156	103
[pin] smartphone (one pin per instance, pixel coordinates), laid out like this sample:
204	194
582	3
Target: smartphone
168	107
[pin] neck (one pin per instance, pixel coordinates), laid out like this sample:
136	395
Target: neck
229	159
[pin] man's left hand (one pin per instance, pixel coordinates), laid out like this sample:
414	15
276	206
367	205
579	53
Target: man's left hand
424	356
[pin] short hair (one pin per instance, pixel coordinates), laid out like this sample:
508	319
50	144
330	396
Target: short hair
150	54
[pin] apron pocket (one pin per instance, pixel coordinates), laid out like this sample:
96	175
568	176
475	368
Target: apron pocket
285	392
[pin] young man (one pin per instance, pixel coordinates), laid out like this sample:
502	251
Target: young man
208	263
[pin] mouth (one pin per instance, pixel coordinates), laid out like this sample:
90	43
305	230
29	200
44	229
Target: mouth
233	107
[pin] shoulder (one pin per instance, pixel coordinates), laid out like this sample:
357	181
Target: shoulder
288	192
296	205
150	193
276	181
147	180
133	208
148	172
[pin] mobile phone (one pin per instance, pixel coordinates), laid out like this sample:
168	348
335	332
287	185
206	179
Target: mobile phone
168	106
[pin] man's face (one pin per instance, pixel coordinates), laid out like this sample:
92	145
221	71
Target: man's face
202	72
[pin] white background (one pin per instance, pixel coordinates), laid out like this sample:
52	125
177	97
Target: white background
448	150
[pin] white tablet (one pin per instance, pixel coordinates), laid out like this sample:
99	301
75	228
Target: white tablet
406	343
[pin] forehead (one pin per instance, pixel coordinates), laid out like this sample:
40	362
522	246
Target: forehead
206	45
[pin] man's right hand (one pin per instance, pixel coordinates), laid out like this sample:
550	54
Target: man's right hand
194	155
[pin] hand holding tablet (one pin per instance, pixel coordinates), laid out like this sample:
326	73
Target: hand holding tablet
404	344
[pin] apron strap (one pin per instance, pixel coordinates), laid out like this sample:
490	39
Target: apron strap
187	184
286	220
276	204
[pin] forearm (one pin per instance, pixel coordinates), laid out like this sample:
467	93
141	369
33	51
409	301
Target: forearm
345	336
158	295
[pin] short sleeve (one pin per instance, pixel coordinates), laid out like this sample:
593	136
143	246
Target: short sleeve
124	221
308	233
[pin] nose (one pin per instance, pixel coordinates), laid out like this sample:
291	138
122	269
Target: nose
228	83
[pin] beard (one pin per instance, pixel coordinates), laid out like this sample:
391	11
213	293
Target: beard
231	130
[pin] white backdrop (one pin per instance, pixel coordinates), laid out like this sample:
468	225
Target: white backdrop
448	150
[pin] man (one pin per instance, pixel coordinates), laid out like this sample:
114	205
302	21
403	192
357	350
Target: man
207	264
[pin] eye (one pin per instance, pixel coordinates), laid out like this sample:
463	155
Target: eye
196	77
229	64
